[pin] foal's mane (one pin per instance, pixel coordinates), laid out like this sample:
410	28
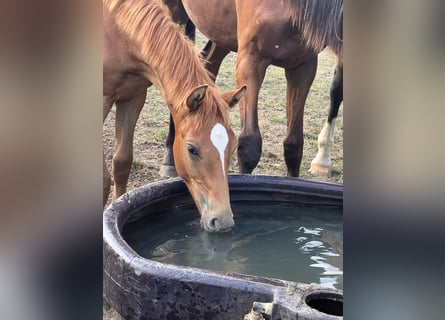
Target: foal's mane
159	42
320	22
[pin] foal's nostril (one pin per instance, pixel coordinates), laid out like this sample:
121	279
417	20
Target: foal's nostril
214	224
218	224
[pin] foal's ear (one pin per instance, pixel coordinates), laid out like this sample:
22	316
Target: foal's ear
233	97
196	97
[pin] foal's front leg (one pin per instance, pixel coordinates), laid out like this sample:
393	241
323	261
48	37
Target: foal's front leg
127	114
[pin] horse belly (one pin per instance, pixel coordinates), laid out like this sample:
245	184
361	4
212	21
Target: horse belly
290	55
216	19
281	44
266	31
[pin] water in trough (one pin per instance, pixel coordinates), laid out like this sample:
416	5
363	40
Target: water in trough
275	239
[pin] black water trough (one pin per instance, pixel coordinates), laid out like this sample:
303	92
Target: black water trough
139	288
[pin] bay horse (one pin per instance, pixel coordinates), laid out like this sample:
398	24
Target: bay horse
143	46
288	34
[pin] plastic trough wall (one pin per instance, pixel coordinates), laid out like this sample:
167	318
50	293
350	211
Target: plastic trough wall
139	288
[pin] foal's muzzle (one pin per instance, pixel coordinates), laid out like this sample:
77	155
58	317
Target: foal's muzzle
217	222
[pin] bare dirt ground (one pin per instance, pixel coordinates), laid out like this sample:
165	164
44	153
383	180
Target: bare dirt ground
152	127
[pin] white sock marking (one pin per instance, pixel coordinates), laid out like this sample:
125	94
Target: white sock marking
220	139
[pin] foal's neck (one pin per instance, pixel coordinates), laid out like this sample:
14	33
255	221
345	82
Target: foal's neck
169	60
174	64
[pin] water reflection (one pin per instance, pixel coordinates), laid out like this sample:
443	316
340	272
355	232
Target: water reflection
326	250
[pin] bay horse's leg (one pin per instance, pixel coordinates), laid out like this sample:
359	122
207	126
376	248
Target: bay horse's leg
168	169
106	177
250	71
127	114
168	163
214	56
299	81
321	165
190	30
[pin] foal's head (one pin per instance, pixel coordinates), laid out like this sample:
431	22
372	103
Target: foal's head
203	145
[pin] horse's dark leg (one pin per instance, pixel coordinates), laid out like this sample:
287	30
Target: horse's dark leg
321	165
250	71
190	30
127	114
213	55
208	48
168	163
336	93
299	81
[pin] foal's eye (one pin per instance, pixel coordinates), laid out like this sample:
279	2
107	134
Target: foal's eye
193	151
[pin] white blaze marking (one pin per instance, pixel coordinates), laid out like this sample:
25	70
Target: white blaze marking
220	139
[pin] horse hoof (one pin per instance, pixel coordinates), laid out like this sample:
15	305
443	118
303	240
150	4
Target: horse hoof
168	171
320	170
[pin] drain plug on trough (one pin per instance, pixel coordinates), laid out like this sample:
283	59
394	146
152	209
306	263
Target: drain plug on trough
258	309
